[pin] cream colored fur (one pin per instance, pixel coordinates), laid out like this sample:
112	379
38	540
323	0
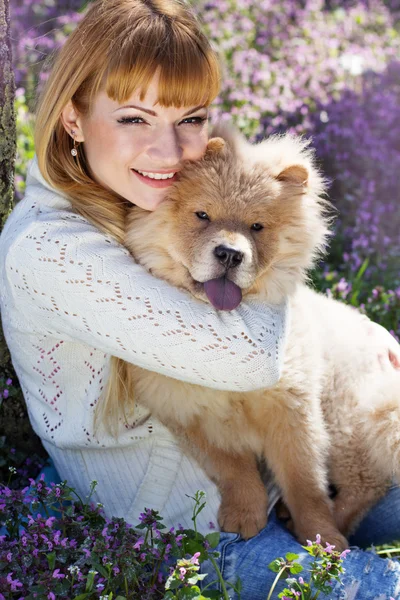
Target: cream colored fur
308	425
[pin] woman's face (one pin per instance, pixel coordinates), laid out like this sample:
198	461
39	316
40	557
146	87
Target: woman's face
120	140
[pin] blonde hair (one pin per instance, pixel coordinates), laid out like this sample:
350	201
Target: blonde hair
117	47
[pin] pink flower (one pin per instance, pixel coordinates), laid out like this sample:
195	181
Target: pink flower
329	548
318	539
195	558
51	596
182	571
344	553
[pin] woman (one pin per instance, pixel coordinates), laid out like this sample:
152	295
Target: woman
125	106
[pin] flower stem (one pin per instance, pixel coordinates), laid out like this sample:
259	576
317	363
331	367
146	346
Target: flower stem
277	578
220	578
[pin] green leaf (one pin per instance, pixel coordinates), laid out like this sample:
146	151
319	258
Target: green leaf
296	568
172	584
238	587
193	593
290	556
81	597
98	567
51	559
276	565
213	539
193	546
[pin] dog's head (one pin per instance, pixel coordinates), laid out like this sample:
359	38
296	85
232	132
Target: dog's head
244	219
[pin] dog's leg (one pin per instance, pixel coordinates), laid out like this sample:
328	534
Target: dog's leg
360	484
352	504
296	450
244	499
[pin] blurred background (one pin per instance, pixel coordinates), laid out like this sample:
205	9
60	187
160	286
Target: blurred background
328	70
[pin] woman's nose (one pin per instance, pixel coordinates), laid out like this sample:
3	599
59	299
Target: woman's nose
166	149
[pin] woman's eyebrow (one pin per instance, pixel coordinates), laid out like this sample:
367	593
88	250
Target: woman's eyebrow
153	114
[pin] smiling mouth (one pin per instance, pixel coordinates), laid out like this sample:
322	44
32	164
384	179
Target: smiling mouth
156	175
153	182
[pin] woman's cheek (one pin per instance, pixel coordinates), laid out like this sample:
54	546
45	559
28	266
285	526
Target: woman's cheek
195	144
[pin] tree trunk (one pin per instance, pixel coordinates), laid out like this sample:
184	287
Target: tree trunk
7	134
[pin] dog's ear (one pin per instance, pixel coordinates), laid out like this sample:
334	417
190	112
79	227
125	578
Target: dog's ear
296	174
215	146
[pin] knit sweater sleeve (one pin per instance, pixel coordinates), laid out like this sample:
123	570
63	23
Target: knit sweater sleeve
72	280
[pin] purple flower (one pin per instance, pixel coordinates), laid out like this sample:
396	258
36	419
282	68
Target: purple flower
57	574
139	543
15	584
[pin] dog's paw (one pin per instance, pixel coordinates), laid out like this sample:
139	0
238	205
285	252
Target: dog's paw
241	512
329	535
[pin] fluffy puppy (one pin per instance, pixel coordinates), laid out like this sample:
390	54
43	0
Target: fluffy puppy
250	221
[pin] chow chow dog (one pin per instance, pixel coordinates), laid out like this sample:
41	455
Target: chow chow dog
248	222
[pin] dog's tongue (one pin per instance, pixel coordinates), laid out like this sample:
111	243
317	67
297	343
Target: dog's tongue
223	293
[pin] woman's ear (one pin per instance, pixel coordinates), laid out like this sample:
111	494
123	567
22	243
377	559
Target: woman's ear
72	122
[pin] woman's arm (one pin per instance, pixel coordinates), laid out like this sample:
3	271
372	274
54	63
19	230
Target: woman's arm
74	281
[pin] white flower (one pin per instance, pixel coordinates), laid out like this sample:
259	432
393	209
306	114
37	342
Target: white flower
352	63
74	569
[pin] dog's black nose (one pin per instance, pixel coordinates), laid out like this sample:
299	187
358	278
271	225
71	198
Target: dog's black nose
229	257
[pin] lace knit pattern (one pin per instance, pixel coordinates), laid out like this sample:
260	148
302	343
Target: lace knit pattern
71	297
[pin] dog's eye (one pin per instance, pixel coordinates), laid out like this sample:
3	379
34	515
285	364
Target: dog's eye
202	215
257	227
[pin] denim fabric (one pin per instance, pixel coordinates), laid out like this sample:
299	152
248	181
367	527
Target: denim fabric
367	576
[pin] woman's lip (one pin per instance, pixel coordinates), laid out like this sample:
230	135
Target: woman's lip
167	172
155	183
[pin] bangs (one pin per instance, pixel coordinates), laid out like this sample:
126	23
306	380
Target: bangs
189	74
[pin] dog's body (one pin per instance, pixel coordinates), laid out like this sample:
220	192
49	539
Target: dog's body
203	239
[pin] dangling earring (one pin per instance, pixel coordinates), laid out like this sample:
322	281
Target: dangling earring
74	151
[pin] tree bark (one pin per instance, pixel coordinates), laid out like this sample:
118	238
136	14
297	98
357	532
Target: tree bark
8	134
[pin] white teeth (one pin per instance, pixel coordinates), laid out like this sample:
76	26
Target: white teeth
156	175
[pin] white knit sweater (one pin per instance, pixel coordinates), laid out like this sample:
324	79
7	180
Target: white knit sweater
71	297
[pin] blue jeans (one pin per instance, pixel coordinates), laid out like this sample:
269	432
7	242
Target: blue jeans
367	576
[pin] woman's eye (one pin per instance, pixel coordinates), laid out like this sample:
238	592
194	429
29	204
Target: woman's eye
133	120
257	227
195	120
202	215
